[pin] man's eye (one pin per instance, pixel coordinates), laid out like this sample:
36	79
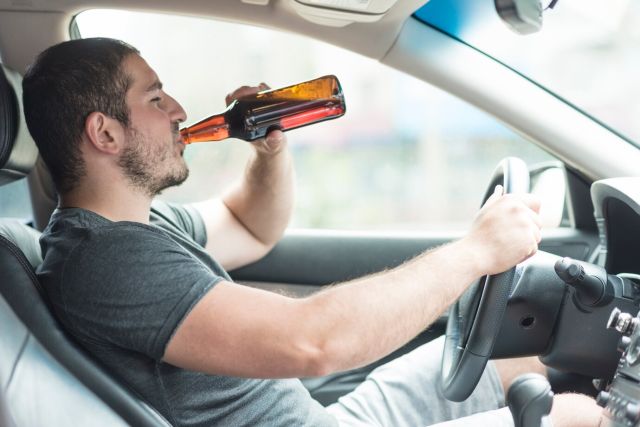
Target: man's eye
156	99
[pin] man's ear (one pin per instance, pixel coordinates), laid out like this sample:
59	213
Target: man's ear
104	133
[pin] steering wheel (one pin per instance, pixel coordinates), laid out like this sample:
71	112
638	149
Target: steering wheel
474	320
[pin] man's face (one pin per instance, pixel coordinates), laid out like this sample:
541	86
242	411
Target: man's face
152	156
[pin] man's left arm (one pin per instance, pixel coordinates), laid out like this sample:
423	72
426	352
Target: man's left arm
244	224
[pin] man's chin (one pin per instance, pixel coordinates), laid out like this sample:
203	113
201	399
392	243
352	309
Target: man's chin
182	178
171	181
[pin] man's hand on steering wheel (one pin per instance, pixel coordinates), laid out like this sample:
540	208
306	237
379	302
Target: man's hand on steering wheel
506	230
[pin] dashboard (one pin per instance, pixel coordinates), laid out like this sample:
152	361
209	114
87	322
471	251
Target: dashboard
616	204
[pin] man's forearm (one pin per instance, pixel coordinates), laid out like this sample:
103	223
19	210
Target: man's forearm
361	321
263	202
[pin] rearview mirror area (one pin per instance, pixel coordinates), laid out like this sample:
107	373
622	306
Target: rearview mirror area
522	16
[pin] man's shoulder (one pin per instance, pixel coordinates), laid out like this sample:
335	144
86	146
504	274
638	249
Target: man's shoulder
81	225
84	252
74	232
119	285
185	220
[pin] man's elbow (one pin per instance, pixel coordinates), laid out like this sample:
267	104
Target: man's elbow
316	361
317	343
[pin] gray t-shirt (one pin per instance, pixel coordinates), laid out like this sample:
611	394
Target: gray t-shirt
122	289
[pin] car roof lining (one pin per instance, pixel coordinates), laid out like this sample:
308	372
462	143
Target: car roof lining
54	17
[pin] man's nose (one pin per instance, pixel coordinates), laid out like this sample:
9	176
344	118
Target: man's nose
176	111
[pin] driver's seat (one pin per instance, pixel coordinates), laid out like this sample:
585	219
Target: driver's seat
46	379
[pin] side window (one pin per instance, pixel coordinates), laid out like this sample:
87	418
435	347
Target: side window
15	201
406	156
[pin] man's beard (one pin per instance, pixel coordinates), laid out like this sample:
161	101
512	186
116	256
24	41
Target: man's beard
142	165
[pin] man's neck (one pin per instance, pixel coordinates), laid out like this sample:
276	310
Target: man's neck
124	204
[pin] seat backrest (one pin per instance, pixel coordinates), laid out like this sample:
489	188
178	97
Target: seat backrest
5	418
46	379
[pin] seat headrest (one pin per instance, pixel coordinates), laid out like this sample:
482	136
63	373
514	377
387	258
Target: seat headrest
18	151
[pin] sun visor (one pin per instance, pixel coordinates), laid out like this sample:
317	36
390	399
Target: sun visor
338	13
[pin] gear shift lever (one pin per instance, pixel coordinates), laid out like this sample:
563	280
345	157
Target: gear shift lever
530	399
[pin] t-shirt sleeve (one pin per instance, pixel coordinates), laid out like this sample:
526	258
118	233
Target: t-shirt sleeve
184	217
132	288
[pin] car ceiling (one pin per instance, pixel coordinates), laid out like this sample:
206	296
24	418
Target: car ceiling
19	43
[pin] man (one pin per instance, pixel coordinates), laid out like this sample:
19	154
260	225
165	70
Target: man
143	286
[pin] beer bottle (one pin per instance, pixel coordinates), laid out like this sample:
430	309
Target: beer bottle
251	117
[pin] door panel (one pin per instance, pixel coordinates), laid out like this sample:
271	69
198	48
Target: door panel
312	258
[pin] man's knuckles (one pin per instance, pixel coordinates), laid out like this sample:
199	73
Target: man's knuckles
242	91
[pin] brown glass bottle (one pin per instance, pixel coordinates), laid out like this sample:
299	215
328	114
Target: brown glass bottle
252	117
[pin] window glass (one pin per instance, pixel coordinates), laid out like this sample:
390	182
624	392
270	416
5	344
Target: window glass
15	201
405	156
586	52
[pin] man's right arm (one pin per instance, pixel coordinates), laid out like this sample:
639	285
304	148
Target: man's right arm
241	331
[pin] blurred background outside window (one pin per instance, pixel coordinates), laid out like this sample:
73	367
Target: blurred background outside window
406	156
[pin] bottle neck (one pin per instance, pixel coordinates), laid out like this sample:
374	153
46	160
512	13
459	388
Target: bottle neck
214	128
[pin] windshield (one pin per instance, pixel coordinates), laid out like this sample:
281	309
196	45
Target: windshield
587	52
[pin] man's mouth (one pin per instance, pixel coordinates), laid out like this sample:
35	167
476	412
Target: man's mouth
175	130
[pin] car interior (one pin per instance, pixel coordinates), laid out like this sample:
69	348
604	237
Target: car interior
47	379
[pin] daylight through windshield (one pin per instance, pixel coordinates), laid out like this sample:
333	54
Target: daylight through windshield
586	52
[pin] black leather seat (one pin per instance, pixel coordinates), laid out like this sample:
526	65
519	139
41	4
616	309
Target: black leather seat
45	378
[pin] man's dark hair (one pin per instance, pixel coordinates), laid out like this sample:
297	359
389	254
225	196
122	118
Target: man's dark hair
65	84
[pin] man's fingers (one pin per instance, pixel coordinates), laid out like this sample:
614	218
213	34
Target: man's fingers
532	201
538	235
535	217
240	92
531	253
275	137
272	143
498	191
244	91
